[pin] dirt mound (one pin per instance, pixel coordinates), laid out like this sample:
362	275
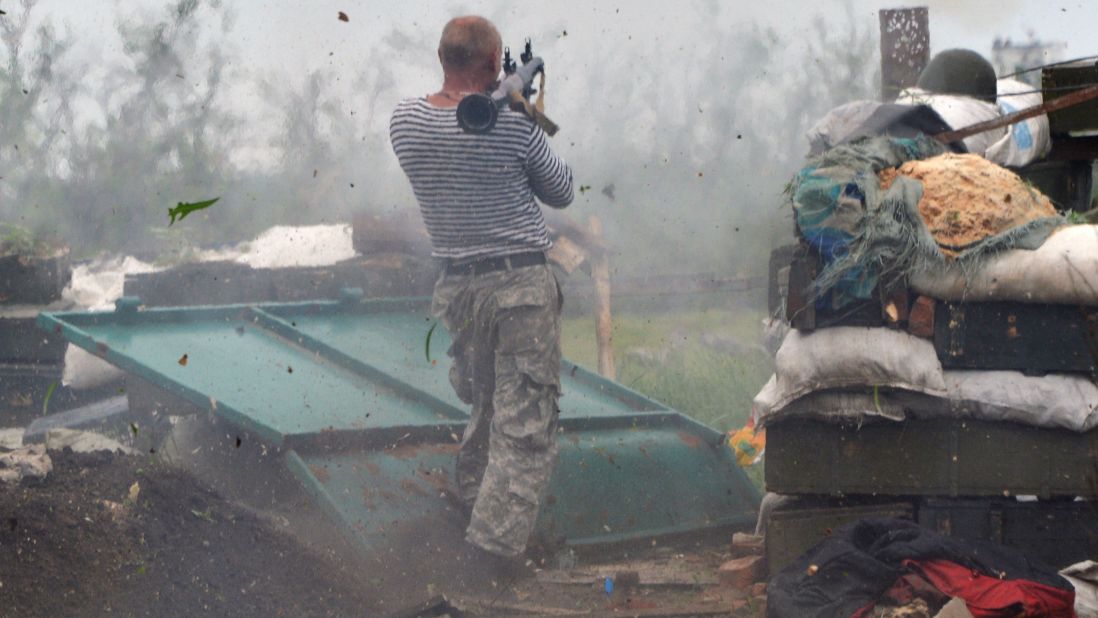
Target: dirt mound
77	544
967	198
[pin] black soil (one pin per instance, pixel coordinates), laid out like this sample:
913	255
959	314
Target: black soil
74	545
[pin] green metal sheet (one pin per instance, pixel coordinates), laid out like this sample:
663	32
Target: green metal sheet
611	484
369	419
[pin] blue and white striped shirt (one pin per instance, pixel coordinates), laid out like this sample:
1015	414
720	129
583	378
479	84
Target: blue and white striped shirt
476	191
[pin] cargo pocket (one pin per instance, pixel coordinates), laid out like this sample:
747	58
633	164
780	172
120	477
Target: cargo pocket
528	325
529	343
520	491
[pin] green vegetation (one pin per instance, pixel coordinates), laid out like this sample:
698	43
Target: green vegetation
18	240
15	239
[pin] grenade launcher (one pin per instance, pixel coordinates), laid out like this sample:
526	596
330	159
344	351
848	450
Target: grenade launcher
477	113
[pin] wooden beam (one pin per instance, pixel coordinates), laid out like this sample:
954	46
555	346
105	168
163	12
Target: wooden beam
905	48
604	324
1075	98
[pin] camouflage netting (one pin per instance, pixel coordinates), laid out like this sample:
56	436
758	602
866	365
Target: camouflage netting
865	230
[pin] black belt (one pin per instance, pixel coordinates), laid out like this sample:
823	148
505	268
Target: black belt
492	264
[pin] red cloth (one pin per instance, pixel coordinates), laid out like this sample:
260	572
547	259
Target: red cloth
990	596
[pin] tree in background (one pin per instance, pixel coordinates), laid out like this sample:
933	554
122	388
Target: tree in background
688	164
161	137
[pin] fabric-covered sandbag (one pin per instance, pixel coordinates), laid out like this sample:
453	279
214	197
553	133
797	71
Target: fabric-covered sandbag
864	232
1025	141
1063	270
960	112
1084	577
839	210
849	357
851	373
1054	401
966	199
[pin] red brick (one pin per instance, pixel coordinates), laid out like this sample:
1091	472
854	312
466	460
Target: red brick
746	545
741	572
921	320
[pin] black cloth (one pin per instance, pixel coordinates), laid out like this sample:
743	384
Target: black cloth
860	561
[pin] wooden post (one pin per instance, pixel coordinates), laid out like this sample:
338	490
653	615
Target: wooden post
604	326
905	48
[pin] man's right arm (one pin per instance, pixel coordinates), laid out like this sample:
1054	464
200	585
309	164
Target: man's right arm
550	176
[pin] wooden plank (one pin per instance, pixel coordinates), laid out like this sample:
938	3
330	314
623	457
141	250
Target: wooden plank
1029	337
497	607
649	574
792	531
604	324
927	457
1075	98
1082	148
1057	82
800	308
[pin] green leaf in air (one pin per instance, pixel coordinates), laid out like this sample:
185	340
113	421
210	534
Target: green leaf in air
182	209
49	394
427	345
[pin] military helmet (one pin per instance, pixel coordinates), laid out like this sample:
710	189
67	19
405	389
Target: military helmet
960	71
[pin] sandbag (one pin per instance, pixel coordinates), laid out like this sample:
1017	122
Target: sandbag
960	112
1084	578
1064	401
1063	270
25	462
849	357
1025	141
831	405
1054	401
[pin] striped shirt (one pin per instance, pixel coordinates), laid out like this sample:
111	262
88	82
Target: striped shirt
476	191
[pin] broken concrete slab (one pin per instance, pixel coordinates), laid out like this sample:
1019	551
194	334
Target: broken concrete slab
26	462
11	438
82	441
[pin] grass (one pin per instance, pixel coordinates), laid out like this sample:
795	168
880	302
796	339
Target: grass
705	363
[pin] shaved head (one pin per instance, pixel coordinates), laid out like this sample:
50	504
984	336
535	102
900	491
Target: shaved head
468	43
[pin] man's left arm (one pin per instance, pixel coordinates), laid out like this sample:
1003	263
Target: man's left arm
550	176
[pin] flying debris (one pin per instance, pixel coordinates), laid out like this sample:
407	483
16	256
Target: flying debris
182	209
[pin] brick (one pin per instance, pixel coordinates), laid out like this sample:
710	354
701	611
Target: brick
920	321
740	573
746	545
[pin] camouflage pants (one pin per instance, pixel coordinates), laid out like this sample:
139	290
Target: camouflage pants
505	327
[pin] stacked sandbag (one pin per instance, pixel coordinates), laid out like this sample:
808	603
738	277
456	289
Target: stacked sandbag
934	284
